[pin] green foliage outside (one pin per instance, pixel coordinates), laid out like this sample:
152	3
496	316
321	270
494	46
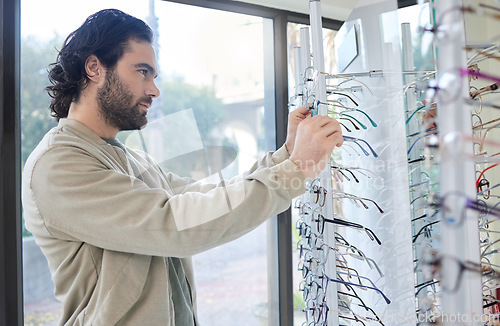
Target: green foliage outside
177	95
35	114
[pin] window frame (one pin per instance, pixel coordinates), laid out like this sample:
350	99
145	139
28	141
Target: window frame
11	293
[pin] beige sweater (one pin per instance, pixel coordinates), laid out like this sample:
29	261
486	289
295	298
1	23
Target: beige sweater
106	233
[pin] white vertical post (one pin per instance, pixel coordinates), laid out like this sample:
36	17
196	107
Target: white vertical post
305	49
408	63
325	176
298	75
297	63
411	102
305	58
459	239
317	51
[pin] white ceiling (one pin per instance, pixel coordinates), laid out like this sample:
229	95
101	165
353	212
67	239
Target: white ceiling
333	9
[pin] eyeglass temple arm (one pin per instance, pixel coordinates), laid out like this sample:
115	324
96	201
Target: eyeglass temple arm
354	176
355	295
371	261
369	232
421	132
335	103
360	170
345	145
342	94
355	126
355	140
369	146
343	125
350	275
373	287
422	230
490	210
416	140
342	173
414	112
354	197
374	203
423	287
359	122
347	109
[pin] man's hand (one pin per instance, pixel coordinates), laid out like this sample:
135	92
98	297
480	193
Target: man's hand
429	118
315	140
294	119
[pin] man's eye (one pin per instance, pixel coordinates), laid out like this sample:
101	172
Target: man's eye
143	71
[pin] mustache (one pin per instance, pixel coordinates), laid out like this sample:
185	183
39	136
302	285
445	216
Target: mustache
147	99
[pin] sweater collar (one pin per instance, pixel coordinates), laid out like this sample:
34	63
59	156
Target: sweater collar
82	129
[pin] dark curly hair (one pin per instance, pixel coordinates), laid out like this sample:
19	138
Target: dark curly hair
106	35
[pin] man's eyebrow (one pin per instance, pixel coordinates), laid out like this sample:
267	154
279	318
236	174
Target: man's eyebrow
148	67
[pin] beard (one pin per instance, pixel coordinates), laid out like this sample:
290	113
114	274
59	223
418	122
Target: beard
116	107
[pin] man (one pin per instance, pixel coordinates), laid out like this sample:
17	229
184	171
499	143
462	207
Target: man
117	231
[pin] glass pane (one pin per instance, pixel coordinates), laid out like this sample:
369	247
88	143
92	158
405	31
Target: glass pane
221	55
214	69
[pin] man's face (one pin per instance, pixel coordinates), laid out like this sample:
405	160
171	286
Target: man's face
129	88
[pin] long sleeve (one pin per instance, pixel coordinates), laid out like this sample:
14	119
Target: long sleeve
80	198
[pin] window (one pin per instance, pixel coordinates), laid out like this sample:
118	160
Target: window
220	55
212	66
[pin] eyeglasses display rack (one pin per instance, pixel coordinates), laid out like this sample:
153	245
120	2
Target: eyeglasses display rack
354	220
423	170
318	64
482	75
460	236
455	261
401	229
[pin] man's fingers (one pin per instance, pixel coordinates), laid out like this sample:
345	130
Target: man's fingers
330	129
323	128
333	133
303	111
316	138
336	136
319	121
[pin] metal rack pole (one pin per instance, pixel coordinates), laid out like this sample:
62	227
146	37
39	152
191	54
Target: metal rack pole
305	50
325	176
460	236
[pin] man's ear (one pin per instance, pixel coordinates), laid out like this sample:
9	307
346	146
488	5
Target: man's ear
94	69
